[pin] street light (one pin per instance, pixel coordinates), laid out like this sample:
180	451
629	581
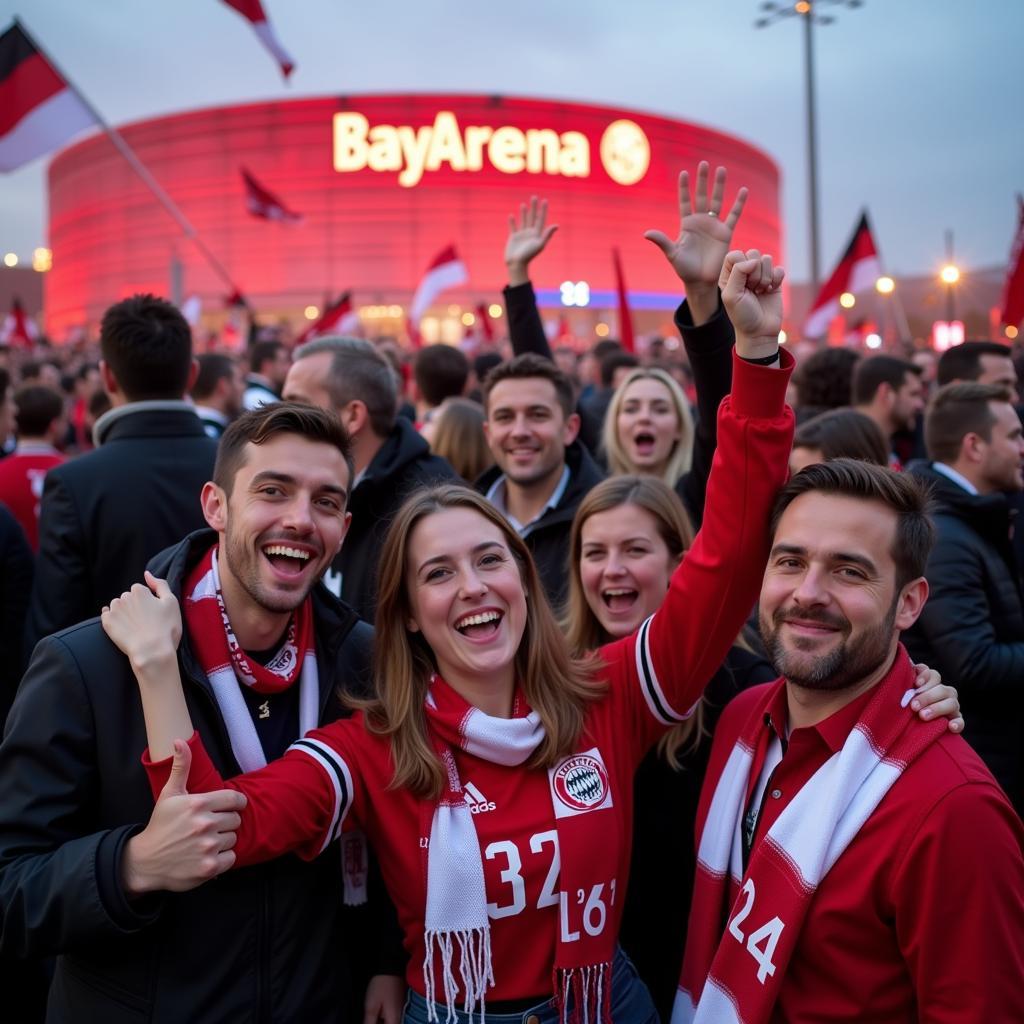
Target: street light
809	11
885	285
847	300
949	275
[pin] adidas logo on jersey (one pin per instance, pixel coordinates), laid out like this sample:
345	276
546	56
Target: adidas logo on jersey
478	803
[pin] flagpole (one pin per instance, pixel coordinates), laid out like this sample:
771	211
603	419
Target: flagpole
137	165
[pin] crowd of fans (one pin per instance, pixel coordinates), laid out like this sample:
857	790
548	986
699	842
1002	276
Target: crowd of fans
595	467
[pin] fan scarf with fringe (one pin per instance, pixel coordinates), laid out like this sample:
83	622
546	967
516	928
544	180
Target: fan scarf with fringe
226	665
736	957
456	916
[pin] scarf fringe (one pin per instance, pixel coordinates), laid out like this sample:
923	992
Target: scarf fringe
475	968
590	991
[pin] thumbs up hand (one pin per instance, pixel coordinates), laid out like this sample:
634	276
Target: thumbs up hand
189	838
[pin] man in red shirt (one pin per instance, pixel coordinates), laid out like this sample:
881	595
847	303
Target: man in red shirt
854	862
39	416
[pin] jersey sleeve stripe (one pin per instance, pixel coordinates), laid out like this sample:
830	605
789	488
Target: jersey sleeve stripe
339	777
649	683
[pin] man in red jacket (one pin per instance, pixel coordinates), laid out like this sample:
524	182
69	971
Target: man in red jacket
854	862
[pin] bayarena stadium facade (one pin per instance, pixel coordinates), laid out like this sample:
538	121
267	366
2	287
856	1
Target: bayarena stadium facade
384	183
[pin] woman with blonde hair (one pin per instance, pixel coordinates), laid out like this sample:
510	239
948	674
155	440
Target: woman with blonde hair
459	437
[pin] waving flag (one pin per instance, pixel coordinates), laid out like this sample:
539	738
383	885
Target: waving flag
252	11
1013	292
625	316
264	204
445	271
857	270
338	318
17	328
38	110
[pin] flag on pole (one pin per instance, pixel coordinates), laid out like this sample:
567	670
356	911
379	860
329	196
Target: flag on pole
483	318
252	11
264	204
625	317
337	318
1013	293
857	270
17	328
38	110
445	271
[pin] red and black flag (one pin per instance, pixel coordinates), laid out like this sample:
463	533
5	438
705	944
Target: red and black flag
39	111
252	11
261	202
17	329
1013	292
858	269
338	318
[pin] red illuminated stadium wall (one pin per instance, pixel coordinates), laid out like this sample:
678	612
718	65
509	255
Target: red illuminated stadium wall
362	230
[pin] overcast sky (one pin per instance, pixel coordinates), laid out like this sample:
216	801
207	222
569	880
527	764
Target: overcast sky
920	108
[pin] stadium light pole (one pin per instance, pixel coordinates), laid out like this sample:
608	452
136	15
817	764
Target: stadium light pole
809	11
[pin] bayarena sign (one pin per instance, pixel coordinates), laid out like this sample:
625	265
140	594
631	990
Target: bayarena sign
384	183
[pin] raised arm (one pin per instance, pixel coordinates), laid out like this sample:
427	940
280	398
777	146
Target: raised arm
527	238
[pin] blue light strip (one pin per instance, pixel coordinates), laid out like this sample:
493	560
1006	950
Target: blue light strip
551	298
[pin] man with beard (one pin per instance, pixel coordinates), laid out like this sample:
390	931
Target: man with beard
889	391
834	825
90	870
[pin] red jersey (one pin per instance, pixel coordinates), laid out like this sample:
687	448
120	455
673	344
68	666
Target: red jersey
922	916
21	484
339	776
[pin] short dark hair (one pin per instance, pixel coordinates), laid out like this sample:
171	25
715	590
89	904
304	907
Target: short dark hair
843	433
618	360
605	347
484	363
147	344
358	370
213	368
824	379
905	495
440	372
264	352
871	373
530	365
5	383
269	421
957	410
36	408
963	362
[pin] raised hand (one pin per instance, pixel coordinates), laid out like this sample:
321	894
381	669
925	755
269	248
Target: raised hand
752	296
189	838
527	238
704	236
144	622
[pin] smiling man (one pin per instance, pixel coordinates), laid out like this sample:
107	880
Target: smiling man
834	826
541	471
89	871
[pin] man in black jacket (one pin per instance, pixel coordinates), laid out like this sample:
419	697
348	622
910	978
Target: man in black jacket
105	514
350	377
89	870
972	627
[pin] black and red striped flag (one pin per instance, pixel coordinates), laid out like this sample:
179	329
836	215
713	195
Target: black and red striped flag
1013	292
857	270
261	202
252	11
38	109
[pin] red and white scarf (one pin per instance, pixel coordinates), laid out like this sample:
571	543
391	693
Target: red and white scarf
456	899
736	957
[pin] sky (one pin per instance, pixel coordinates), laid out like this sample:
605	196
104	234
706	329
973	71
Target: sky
920	116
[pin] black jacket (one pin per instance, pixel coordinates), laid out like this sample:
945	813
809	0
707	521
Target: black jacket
548	537
15	586
972	626
258	944
106	513
402	465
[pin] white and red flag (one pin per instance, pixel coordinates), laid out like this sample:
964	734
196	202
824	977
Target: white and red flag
261	202
252	11
337	318
445	271
38	109
1013	292
18	329
858	269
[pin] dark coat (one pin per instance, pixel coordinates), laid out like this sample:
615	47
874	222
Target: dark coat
105	514
972	627
15	586
548	537
402	465
259	944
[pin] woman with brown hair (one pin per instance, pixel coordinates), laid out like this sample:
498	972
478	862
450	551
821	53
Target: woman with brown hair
459	437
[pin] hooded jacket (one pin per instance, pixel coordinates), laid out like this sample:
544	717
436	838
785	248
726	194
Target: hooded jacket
972	626
402	465
258	944
548	536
